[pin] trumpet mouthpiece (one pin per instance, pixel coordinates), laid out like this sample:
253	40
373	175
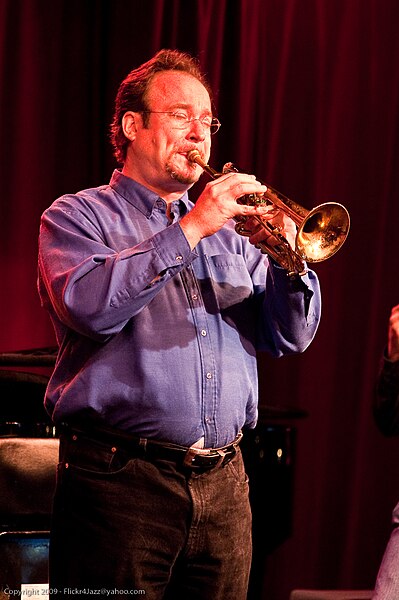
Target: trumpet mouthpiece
193	155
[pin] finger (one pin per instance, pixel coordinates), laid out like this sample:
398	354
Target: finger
264	235
241	184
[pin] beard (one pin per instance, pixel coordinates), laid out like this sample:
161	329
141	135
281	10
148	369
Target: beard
187	175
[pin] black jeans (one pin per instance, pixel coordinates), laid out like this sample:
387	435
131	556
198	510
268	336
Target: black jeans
124	526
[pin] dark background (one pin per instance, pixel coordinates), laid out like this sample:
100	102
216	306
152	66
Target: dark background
307	93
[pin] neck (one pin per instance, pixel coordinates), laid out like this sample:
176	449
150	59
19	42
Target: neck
169	195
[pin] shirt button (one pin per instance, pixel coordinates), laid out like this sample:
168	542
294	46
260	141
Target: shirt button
209	375
179	258
194	297
203	332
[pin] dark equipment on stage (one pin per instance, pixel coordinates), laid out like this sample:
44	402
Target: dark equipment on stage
29	455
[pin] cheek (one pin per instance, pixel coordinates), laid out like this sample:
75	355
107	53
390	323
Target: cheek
169	144
207	150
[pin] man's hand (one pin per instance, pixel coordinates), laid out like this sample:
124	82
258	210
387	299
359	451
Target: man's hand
218	203
285	226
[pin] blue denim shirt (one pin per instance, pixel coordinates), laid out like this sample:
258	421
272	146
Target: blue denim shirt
154	338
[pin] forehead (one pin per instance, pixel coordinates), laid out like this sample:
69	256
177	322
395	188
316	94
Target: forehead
175	88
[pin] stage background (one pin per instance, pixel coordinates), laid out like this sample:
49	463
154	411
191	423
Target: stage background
307	93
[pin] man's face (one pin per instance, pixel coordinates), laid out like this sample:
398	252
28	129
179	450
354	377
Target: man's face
157	156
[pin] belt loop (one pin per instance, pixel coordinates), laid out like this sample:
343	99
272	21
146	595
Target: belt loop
238	439
222	454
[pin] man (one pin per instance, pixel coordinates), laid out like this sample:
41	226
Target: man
159	307
386	413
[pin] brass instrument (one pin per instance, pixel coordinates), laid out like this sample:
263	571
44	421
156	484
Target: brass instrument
321	231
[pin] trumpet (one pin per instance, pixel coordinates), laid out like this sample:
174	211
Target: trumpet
320	232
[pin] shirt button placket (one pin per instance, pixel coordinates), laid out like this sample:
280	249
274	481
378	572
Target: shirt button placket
205	343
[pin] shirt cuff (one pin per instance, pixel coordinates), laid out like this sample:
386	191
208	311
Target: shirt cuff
172	246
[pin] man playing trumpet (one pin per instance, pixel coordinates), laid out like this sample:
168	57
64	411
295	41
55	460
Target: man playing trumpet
159	308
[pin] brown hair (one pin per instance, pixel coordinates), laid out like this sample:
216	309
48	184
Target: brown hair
134	88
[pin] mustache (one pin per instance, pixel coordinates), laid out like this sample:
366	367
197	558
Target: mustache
186	149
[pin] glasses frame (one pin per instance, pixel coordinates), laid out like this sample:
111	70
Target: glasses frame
215	123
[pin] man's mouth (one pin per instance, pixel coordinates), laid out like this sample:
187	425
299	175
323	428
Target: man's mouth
184	171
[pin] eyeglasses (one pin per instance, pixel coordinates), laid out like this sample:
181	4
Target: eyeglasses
181	120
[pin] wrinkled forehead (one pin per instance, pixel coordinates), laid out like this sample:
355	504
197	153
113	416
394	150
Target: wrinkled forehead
177	88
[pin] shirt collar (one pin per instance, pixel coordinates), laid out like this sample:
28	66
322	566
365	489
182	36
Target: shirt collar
138	195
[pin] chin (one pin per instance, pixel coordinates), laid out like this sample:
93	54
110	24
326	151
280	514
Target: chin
187	176
185	180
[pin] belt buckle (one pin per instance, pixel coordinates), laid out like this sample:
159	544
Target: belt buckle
193	454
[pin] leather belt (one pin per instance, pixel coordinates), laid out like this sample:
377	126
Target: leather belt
196	459
212	457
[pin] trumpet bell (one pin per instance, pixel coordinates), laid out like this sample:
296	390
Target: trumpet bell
320	234
323	231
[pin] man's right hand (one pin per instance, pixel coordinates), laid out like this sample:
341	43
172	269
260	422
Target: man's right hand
218	203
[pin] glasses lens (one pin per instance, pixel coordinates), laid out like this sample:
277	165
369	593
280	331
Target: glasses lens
215	125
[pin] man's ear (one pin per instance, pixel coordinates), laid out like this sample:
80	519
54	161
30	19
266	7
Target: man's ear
129	125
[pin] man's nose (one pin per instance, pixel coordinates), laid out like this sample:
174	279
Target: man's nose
197	130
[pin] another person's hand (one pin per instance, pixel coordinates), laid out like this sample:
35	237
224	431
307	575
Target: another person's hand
393	334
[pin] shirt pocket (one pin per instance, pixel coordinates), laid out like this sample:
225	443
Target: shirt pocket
228	280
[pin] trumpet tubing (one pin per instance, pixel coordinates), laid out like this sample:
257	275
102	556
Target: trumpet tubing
320	232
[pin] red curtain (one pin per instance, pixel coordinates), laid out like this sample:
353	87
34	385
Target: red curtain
307	93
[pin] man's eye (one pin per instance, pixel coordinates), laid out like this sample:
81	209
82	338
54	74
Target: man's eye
181	117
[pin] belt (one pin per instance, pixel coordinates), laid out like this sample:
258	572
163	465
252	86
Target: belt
196	459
